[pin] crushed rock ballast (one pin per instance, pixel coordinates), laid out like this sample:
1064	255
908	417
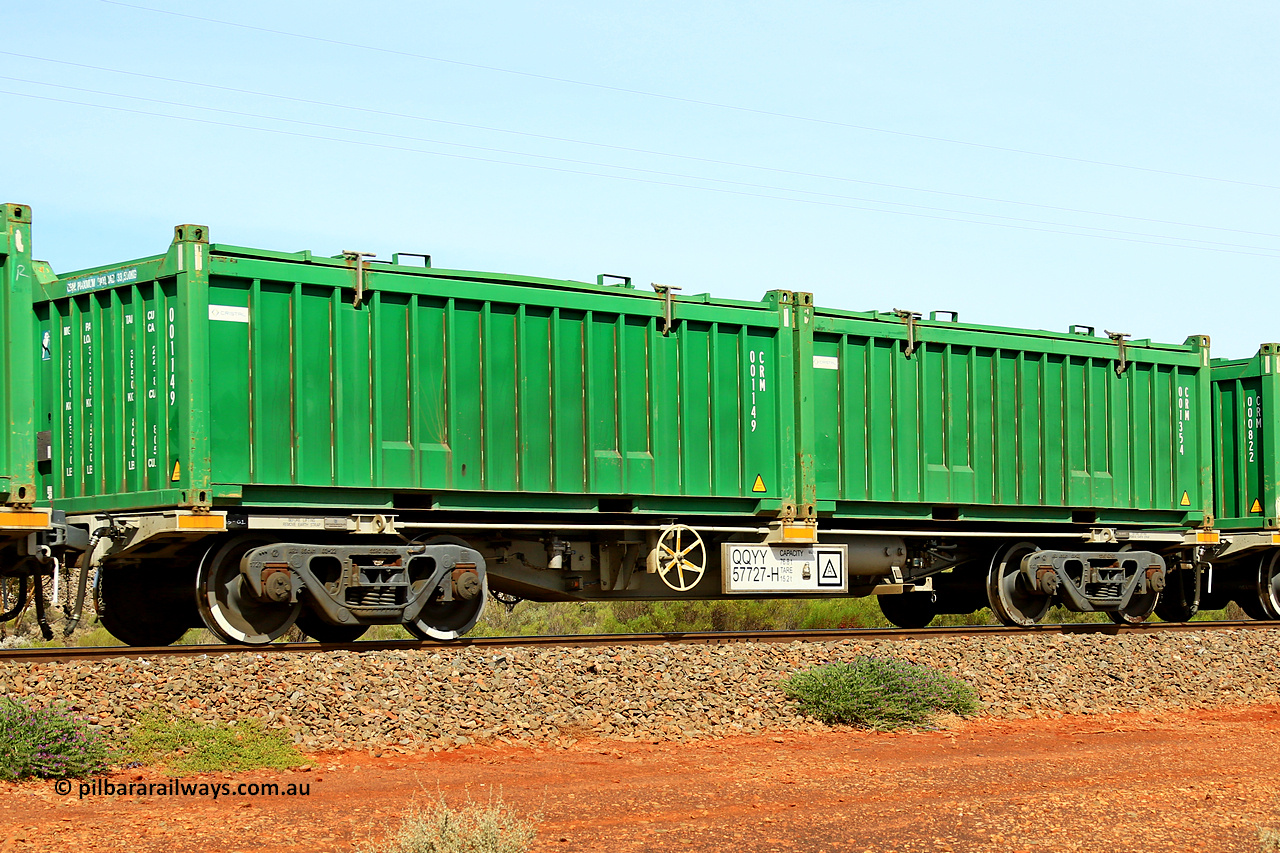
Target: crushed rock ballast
444	697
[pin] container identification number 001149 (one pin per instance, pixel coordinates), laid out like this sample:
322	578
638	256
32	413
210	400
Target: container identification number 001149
784	568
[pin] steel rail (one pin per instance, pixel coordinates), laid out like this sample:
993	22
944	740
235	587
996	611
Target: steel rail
74	653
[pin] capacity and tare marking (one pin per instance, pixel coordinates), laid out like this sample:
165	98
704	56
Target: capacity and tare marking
783	568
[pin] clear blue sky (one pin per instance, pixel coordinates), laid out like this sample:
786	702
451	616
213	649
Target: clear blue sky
724	147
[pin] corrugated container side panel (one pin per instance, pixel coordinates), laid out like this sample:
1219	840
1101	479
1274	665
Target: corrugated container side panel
830	443
271	380
391	363
665	407
602	402
570	375
499	448
761	386
1164	446
429	385
1140	462
466	390
113	392
1004	428
313	388
534	399
874	361
230	429
1245	443
1238	451
439	385
695	412
638	338
966	424
434	392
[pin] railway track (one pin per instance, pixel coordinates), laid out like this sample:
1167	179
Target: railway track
44	655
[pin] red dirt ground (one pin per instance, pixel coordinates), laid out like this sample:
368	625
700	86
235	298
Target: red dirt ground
1192	781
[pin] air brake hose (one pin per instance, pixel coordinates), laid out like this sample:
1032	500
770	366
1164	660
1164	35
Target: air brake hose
45	630
73	612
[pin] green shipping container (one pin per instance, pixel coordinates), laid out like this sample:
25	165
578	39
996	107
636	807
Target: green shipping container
938	420
218	375
1247	456
224	376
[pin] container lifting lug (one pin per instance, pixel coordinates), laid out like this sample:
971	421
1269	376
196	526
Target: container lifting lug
668	308
1123	364
910	318
358	257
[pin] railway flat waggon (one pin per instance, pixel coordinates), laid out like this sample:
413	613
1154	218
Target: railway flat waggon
246	439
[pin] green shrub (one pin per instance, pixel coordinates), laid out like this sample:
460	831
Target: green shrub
475	828
189	746
878	693
47	744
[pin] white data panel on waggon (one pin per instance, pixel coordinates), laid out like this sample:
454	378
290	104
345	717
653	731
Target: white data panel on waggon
784	568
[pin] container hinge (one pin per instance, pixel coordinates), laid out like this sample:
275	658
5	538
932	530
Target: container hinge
668	307
909	317
1123	364
358	257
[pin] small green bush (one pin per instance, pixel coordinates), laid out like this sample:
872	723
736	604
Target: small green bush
475	828
878	693
189	746
47	744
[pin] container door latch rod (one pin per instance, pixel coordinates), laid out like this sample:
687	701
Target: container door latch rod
358	257
668	308
1123	364
910	318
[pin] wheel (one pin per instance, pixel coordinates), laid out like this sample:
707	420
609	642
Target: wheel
909	609
1252	608
681	557
230	610
1268	586
314	626
145	605
1140	607
1011	597
449	620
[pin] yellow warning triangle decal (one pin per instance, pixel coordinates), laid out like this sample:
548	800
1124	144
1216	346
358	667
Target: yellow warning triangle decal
177	472
1257	506
1186	499
758	486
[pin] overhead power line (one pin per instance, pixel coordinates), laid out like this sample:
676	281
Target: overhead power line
595	164
1081	232
613	147
695	101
